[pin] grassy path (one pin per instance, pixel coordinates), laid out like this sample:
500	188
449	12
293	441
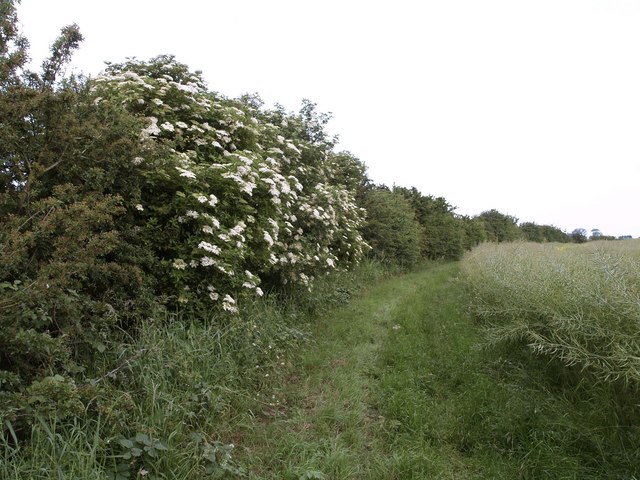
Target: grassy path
391	389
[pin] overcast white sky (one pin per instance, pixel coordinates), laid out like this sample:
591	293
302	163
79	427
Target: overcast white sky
530	107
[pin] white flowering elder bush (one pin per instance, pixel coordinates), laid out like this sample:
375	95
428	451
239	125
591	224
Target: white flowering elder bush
232	199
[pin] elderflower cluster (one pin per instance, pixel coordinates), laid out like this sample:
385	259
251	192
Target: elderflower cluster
245	193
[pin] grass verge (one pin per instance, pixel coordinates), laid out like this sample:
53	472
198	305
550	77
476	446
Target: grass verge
389	391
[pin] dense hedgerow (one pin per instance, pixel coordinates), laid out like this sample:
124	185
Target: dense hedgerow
233	196
139	191
391	228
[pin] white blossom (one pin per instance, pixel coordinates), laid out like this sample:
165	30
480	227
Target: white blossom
209	248
186	173
207	261
229	304
179	264
237	230
152	129
268	238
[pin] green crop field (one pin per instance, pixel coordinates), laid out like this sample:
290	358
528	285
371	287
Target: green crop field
568	316
579	304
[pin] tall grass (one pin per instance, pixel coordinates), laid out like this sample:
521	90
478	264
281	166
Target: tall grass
579	304
563	321
169	402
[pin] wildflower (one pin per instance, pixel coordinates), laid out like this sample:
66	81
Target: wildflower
293	147
137	160
192	214
202	199
229	304
151	129
209	248
186	173
237	230
213	295
182	125
139	208
207	261
207	229
268	238
248	187
259	291
179	264
167	126
213	200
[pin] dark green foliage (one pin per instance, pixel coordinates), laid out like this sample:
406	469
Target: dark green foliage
391	228
543	233
348	170
98	213
500	227
13	46
579	235
442	231
474	232
69	270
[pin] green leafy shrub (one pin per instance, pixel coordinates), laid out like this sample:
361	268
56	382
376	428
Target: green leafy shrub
391	228
500	227
141	190
248	196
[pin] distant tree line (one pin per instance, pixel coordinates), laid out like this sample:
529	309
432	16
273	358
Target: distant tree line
404	226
